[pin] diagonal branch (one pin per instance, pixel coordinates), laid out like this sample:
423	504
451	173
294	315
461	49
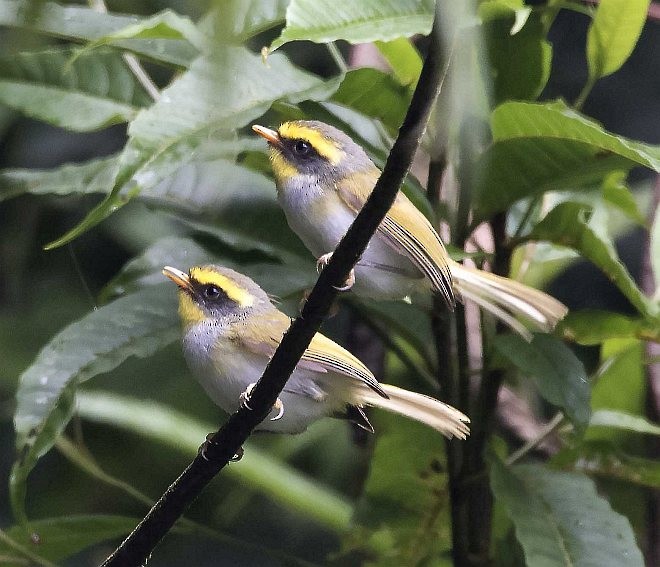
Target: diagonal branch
226	442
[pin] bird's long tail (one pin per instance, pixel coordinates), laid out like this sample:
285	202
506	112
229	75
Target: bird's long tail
508	299
438	415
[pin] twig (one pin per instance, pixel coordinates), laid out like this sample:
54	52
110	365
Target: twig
225	443
546	430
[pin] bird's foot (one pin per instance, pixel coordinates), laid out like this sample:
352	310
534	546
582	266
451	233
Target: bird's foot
245	398
209	441
322	262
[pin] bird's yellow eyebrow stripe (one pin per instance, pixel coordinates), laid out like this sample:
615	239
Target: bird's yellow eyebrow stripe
233	291
323	146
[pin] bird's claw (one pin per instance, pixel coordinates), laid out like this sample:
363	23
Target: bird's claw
209	441
245	398
322	262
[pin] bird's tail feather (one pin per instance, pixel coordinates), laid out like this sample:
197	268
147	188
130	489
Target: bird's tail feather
436	414
508	299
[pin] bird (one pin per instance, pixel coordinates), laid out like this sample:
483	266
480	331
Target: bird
323	179
231	330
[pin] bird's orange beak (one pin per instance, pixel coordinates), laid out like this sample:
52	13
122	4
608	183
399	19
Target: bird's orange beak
180	278
271	136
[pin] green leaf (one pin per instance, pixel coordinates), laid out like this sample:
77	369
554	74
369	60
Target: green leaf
403	58
375	94
549	147
95	91
135	325
623	420
243	19
520	62
557	372
619	195
86	24
59	538
164	25
565	225
560	519
613	33
167	134
654	251
606	461
592	327
256	469
323	21
403	515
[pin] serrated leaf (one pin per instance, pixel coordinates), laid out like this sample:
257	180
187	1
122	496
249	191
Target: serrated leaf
549	147
59	538
135	325
613	34
323	21
404	60
86	24
622	420
605	460
375	94
560	519
95	91
167	134
565	225
559	375
592	327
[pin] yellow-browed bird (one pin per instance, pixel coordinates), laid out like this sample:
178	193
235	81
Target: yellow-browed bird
230	332
324	178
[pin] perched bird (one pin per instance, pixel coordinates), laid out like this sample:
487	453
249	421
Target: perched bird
324	178
231	330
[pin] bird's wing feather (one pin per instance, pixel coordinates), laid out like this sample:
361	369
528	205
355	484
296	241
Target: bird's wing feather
406	230
323	355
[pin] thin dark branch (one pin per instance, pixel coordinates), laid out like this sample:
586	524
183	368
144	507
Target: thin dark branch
225	443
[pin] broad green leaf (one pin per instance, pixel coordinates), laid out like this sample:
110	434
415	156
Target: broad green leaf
259	471
619	195
95	91
623	420
403	515
323	21
566	225
164	25
560	519
58	538
613	33
242	19
86	24
592	327
604	460
654	252
549	147
520	62
403	58
557	372
167	134
375	94
135	325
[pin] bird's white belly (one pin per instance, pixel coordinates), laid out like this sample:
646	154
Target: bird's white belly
228	373
321	220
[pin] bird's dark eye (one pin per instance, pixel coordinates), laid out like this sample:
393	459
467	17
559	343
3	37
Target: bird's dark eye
302	148
211	292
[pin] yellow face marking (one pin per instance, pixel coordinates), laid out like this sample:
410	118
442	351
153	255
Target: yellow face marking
324	146
233	290
189	311
282	169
